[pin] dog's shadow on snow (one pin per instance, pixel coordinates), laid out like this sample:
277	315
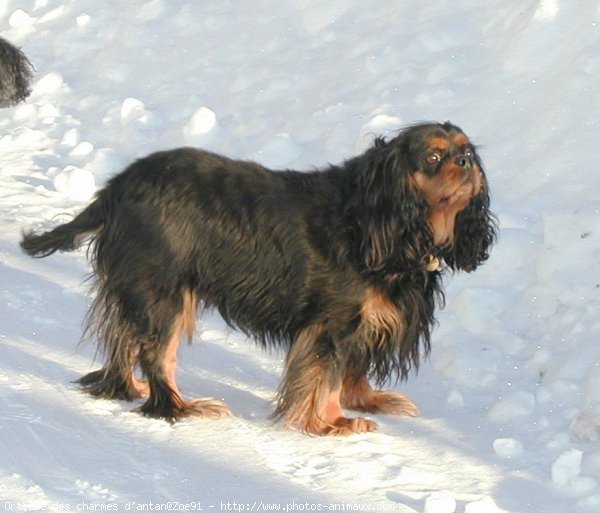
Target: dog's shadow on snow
45	321
209	368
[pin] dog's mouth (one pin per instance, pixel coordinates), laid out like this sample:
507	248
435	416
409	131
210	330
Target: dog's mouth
468	188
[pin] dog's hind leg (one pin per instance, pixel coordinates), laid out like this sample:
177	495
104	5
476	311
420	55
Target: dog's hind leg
112	383
119	347
309	396
157	359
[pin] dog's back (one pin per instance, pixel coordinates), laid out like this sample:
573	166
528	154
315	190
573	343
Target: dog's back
243	237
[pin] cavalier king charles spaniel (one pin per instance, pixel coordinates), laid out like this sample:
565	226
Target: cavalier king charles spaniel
340	267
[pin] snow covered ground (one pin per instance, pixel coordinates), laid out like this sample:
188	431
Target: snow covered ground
510	398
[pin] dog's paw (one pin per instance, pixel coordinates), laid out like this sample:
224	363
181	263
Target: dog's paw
208	408
345	426
176	409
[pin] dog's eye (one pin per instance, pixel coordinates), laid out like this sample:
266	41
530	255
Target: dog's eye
433	158
469	153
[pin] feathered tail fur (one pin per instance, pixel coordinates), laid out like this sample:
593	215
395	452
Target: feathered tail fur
66	237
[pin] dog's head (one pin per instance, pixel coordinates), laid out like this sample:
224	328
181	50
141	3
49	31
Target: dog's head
15	75
423	195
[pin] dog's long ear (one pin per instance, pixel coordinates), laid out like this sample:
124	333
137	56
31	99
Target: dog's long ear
389	212
475	232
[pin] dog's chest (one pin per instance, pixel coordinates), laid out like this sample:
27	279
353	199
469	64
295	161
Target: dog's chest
378	313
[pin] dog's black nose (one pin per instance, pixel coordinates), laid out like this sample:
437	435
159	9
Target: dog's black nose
464	161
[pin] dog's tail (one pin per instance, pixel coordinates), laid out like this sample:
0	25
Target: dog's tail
65	237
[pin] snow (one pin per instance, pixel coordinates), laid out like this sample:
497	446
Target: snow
509	399
440	502
485	505
567	467
75	182
508	447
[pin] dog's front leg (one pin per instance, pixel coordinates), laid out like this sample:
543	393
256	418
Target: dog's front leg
309	395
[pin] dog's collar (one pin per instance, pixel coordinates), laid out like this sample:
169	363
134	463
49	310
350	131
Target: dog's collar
432	263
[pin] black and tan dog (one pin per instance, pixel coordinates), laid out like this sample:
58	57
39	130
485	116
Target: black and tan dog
340	267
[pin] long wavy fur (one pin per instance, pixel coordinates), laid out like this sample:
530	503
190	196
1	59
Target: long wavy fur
16	73
329	265
476	228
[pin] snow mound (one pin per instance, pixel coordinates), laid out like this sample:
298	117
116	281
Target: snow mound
133	110
76	183
202	121
508	447
48	85
566	467
485	505
440	502
380	125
